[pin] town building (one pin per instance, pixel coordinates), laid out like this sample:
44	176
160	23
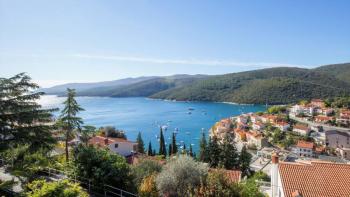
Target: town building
318	103
117	145
256	139
344	117
304	149
283	126
340	141
258	126
323	119
243	119
301	129
309	179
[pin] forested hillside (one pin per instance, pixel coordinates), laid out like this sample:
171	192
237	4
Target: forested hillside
273	86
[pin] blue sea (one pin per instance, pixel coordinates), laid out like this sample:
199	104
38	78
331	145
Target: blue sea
133	115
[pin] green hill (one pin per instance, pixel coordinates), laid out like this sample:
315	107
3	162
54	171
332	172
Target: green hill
274	86
144	88
340	71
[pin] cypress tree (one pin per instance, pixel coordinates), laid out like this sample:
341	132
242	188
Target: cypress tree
203	149
213	152
228	154
170	150
173	145
22	120
244	161
191	151
149	151
69	117
162	148
140	144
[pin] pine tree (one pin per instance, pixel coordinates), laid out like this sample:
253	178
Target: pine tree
244	161
69	117
213	152
173	146
162	148
149	151
229	156
22	120
203	156
140	144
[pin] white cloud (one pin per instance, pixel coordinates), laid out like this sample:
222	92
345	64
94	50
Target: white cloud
185	61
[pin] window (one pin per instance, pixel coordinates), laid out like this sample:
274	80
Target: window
115	145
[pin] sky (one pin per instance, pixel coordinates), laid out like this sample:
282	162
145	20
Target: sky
64	41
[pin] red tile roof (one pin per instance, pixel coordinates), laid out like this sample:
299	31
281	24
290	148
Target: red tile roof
305	144
234	176
318	179
301	127
103	141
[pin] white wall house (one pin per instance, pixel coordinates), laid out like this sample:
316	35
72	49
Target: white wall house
301	129
304	149
117	145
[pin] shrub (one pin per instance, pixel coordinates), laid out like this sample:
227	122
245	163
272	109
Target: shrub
181	176
144	169
148	187
101	166
41	188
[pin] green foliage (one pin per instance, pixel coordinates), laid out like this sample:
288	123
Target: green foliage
173	144
213	152
244	161
162	147
69	117
276	109
144	169
110	131
22	120
150	150
42	188
217	185
203	149
140	144
101	166
228	154
86	133
181	176
273	86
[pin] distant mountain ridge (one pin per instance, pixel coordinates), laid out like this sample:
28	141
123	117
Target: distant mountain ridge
272	85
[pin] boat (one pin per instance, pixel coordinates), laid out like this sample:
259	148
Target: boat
191	108
189	112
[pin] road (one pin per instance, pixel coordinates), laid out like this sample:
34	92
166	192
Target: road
325	126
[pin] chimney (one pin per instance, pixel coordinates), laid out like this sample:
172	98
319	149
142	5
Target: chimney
274	174
274	158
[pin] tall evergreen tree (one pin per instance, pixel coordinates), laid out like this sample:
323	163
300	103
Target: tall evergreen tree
162	147
228	154
86	133
69	117
22	120
203	156
149	150
170	150
191	151
213	152
140	144
173	145
244	161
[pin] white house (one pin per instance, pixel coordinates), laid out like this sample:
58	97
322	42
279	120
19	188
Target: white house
117	145
242	119
304	149
283	126
301	129
258	126
309	178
